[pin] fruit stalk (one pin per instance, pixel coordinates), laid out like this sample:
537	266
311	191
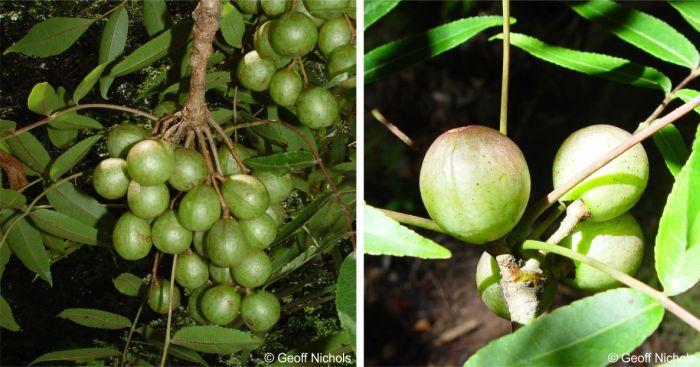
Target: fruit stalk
506	62
521	287
170	313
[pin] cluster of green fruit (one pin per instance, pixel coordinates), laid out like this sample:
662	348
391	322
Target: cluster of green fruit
475	184
212	247
291	34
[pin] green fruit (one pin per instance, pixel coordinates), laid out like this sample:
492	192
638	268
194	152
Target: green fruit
194	305
613	189
226	243
278	187
488	277
169	235
475	183
190	170
285	87
221	275
618	243
326	9
334	33
342	60
122	137
249	6
255	72
245	196
317	108
198	239
254	270
274	8
293	34
220	304
147	201
229	166
151	162
159	296
259	231
111	178
199	209
261	43
191	270
260	310
132	237
277	213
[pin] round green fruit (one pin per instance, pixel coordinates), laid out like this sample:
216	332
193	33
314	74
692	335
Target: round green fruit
229	166
254	270
249	6
326	9
199	209
259	231
618	243
159	296
226	243
278	187
334	33
285	87
190	170
475	183
191	270
151	162
198	242
274	8
260	310
317	108
261	42
132	237
169	235
342	60
255	72
122	137
245	196
111	178
613	189
194	305
147	201
221	275
293	34
220	304
277	213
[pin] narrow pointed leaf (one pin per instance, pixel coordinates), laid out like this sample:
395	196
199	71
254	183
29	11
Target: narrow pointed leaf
55	244
25	242
43	99
5	252
95	318
584	333
29	150
397	55
232	25
67	199
88	82
113	37
385	236
650	34
345	297
78	355
282	162
677	250
686	95
66	161
62	139
156	16
215	339
11	199
302	218
128	284
604	66
7	320
74	121
690	10
672	147
63	226
156	337
376	9
51	37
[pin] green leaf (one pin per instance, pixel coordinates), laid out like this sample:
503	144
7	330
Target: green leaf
212	80
686	95
584	333
43	99
63	226
25	242
5	252
604	66
113	37
650	34
376	9
62	139
345	297
154	50
66	161
128	284
7	321
677	250
87	83
156	16
6	126
310	253
232	25
74	121
672	147
29	150
690	10
11	199
692	360
95	318
55	244
78	355
51	37
215	339
66	199
397	55
299	220
385	236
282	163
155	337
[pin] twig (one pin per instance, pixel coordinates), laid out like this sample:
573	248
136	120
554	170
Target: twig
170	313
413	220
350	26
212	172
229	144
392	128
131	332
303	73
506	62
575	213
669	97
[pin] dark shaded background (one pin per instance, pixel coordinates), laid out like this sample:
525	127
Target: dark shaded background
422	312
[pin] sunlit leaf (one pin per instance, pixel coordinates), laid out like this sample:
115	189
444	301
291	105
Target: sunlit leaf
43	99
66	161
63	226
376	9
88	82
51	37
690	10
